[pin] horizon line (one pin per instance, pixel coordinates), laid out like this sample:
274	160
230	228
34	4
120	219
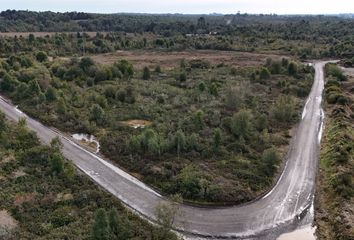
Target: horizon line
180	13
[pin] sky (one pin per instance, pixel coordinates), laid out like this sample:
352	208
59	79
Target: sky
185	6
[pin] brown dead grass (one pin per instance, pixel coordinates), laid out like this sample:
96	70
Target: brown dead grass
20	199
168	60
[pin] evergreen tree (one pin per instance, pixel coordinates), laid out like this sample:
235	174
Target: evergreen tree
100	229
41	56
265	74
292	69
217	139
146	73
180	141
57	163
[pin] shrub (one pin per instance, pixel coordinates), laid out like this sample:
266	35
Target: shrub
241	124
270	159
292	69
182	77
120	95
41	56
284	109
146	73
265	74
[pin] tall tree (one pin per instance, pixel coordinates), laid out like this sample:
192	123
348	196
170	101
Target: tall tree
100	228
146	73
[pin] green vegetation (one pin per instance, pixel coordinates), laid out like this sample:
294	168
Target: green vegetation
212	125
300	36
50	200
335	193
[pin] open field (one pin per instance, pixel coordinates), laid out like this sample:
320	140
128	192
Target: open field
170	60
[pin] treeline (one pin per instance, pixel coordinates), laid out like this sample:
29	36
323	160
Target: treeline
302	36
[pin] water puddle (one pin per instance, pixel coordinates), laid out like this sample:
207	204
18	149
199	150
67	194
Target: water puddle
88	140
304	233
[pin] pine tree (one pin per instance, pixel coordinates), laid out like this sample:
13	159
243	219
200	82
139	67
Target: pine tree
146	73
100	229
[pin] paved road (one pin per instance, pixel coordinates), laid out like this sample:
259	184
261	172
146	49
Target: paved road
284	204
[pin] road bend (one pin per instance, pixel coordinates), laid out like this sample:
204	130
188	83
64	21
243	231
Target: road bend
283	206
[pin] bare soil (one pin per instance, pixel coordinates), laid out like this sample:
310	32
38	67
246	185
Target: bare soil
7	224
136	123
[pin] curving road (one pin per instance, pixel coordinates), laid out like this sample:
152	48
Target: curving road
282	207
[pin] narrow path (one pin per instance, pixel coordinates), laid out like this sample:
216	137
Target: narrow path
283	206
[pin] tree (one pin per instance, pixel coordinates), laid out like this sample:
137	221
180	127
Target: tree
86	63
292	69
120	95
201	87
270	159
61	106
198	119
283	109
2	122
158	69
102	74
41	56
117	228
213	90
51	94
180	141
33	88
189	181
57	163
166	213
100	228
7	83
265	74
182	77
126	68
146	73
97	114
217	139
275	67
56	144
241	124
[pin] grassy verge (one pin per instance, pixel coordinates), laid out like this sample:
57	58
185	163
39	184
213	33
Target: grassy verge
334	214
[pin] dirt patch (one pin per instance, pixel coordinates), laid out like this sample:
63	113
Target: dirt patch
63	197
349	71
170	60
19	173
136	123
20	199
7	224
7	159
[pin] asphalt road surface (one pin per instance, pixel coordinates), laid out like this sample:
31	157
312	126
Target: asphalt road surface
282	208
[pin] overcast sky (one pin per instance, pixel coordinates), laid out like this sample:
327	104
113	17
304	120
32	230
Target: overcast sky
185	6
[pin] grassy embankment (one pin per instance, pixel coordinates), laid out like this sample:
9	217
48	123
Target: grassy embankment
335	186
